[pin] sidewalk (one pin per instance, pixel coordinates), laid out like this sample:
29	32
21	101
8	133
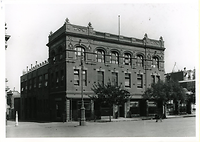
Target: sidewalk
143	118
11	123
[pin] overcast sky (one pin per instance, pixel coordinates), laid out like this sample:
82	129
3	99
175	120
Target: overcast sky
29	25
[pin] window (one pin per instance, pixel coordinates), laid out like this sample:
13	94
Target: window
53	56
100	77
84	78
127	59
57	79
30	84
60	53
100	56
140	61
76	77
155	62
34	82
40	82
114	57
52	80
46	80
153	79
114	78
139	81
78	52
127	80
62	77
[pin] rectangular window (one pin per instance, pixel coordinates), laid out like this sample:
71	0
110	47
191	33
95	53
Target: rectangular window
84	78
57	79
100	77
62	77
139	81
76	77
34	82
153	79
40	82
52	80
114	78
46	80
127	80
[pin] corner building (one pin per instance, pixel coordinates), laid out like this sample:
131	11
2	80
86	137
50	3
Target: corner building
56	85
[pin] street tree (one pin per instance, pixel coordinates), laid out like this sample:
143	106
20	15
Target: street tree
163	92
109	94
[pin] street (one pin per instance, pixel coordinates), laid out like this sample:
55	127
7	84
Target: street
176	127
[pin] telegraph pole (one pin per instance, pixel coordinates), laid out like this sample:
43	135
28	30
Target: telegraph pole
82	110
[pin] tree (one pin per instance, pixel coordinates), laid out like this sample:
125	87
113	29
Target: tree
162	92
109	94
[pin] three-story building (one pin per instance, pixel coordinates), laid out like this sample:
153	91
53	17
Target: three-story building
56	85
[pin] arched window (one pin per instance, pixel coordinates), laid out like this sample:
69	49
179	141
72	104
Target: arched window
114	57
127	59
155	62
140	61
78	52
100	56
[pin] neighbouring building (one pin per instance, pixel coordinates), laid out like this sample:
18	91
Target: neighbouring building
186	79
13	101
51	90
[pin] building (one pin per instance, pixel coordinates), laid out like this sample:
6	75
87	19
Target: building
51	90
186	79
13	101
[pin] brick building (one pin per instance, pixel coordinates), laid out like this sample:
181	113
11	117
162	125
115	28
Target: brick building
51	90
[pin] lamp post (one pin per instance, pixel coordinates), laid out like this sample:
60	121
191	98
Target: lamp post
82	116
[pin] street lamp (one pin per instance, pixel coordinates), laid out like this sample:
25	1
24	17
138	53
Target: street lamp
82	116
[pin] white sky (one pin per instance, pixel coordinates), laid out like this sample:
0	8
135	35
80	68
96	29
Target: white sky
29	25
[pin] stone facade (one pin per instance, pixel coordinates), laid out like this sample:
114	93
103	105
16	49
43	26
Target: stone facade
130	62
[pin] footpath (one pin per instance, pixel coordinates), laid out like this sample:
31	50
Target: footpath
106	119
11	123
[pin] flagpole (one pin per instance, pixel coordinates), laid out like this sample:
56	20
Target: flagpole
119	25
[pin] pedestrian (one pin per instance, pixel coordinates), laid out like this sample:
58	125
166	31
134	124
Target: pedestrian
158	115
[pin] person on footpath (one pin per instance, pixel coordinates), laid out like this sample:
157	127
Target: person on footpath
158	115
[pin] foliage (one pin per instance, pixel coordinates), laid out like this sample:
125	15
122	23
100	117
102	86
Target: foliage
165	91
110	94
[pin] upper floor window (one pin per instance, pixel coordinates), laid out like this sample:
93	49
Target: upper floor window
140	61
34	82
100	77
139	81
127	80
127	59
114	78
57	79
78	52
100	56
62	77
53	57
84	73
40	81
76	77
46	80
60	54
114	57
155	62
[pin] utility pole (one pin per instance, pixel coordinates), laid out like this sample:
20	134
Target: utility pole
82	110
